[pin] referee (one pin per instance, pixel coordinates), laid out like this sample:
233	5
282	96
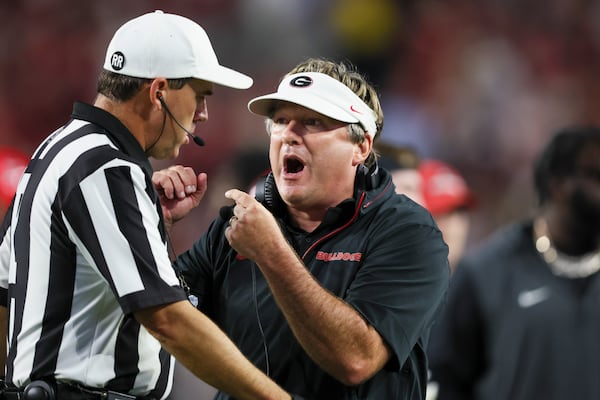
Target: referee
91	304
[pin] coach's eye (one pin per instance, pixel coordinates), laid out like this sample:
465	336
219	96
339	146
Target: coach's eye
280	121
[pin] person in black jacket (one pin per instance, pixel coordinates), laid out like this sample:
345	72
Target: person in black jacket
329	281
522	318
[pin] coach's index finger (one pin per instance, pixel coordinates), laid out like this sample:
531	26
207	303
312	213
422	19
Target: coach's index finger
236	195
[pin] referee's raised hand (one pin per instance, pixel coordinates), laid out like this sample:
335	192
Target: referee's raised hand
180	190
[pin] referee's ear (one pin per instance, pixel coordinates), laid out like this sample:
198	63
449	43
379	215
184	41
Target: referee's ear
157	92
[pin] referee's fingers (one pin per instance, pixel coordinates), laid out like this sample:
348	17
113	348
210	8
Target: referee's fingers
176	181
198	191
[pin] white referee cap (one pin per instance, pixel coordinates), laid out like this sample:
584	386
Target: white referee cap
171	46
321	93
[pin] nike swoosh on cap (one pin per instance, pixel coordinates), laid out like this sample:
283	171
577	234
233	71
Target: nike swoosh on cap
353	109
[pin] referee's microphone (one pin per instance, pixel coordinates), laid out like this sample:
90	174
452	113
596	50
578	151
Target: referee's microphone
195	138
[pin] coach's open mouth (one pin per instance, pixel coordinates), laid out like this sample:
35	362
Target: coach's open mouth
292	165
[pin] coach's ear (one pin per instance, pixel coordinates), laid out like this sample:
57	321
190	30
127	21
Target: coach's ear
362	150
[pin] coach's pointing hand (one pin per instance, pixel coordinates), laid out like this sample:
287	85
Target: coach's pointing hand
252	231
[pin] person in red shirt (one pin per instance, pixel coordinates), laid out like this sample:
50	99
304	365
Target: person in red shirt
12	164
448	198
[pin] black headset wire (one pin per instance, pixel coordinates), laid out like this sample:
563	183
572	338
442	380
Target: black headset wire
162	129
226	212
260	327
172	256
191	297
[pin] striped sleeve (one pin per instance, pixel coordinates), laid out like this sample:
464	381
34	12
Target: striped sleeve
113	217
85	249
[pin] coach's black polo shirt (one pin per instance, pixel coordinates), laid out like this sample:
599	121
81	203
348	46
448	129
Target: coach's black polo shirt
383	255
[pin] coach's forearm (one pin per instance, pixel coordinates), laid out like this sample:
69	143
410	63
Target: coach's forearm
332	333
199	345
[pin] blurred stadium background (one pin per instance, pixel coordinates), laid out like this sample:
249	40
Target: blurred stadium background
480	85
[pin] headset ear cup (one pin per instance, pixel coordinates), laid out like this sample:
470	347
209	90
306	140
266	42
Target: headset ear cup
259	191
360	180
366	179
268	195
270	191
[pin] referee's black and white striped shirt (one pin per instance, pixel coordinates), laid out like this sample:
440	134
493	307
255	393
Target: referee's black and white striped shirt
83	248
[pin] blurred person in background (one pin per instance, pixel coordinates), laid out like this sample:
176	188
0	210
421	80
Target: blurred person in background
12	165
449	199
522	319
403	165
435	185
332	283
93	305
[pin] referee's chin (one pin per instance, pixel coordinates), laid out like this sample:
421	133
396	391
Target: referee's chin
164	153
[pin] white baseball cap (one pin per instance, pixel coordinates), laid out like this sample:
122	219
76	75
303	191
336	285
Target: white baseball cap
171	46
321	93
